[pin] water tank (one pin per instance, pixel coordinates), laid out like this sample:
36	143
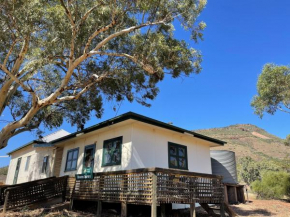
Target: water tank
224	163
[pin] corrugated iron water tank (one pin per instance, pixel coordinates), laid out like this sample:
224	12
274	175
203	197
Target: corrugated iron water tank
224	163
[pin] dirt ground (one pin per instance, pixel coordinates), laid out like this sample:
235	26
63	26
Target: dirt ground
263	208
254	208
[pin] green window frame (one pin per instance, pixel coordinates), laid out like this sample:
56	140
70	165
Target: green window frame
177	156
112	152
72	159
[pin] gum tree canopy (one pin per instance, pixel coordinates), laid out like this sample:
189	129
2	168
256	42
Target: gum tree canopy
60	59
273	90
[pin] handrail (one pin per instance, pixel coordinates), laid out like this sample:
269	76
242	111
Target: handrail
158	169
34	191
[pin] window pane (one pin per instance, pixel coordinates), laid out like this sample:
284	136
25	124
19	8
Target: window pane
181	152
173	161
182	163
74	165
68	165
172	150
75	156
27	163
112	152
70	153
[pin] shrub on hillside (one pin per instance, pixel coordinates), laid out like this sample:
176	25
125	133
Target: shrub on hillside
273	185
250	170
3	170
287	141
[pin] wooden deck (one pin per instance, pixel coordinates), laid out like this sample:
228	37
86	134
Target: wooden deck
150	186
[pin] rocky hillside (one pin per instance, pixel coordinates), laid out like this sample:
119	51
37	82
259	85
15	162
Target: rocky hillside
249	140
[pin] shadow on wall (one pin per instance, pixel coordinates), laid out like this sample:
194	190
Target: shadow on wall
220	169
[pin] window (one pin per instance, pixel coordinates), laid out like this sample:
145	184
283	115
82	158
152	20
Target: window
89	156
72	159
112	152
177	156
27	163
44	164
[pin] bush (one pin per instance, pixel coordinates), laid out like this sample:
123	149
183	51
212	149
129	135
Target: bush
273	185
250	170
287	141
3	170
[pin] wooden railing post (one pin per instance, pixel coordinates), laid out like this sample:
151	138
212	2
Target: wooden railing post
64	189
6	201
222	209
99	208
123	209
154	195
192	210
163	209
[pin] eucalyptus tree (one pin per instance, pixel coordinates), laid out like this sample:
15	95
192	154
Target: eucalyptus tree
273	90
59	60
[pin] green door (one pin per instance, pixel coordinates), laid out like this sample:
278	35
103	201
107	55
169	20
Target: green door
17	171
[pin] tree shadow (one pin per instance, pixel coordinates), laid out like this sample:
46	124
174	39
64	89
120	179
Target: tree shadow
247	212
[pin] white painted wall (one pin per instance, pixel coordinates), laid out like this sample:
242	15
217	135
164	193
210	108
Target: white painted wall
98	138
150	148
35	165
143	146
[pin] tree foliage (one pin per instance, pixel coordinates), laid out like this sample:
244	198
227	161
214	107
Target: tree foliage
273	90
287	140
3	170
273	185
250	170
59	60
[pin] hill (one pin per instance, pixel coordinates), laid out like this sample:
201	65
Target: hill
3	170
249	140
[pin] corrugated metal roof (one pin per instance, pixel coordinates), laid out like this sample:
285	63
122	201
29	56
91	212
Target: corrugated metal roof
48	138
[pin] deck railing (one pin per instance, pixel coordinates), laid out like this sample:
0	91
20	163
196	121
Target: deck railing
150	185
32	192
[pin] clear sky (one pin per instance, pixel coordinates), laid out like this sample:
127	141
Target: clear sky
241	36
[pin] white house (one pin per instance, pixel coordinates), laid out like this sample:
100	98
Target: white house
129	141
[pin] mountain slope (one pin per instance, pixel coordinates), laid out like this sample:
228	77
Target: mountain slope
249	140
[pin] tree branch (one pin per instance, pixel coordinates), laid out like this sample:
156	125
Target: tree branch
21	55
147	67
85	89
283	110
98	31
124	31
68	13
16	80
9	52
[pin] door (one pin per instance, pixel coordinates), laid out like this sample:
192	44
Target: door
89	155
17	171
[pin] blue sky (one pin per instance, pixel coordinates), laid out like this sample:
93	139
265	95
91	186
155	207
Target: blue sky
241	36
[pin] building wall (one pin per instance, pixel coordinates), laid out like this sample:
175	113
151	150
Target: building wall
143	146
150	148
98	138
35	165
